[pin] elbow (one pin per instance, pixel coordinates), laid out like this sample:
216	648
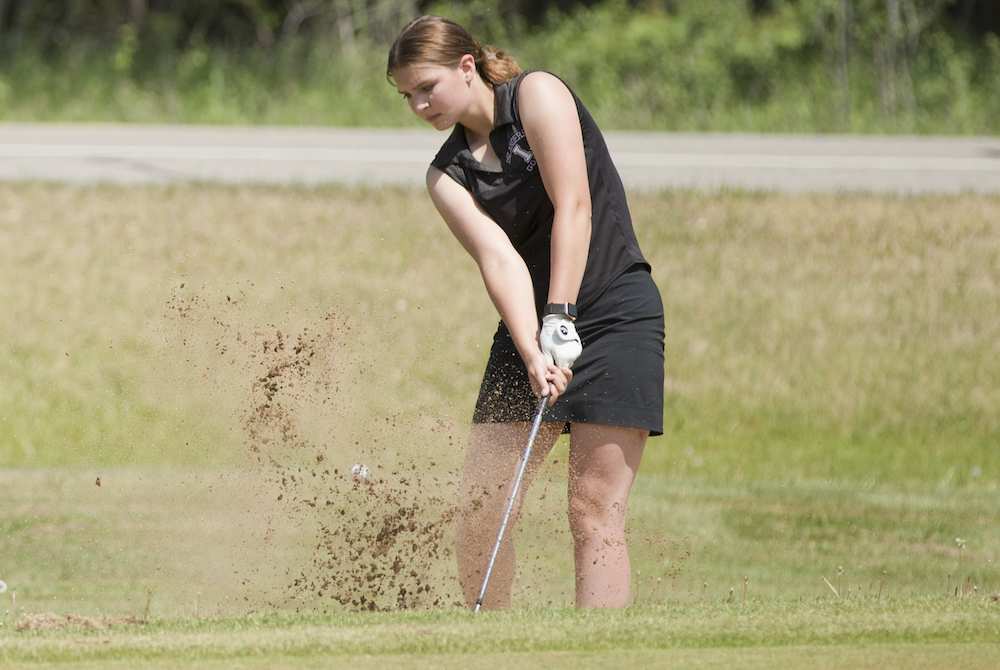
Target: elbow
574	218
576	208
495	264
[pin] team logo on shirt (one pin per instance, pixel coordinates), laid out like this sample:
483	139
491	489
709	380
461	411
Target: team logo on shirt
515	149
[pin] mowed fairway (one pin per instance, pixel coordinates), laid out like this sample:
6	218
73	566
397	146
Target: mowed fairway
833	374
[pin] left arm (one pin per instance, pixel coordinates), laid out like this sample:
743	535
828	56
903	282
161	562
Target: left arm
552	126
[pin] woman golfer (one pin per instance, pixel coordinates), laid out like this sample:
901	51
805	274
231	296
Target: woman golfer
526	184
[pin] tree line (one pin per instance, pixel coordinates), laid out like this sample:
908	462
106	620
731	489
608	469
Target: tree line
824	65
241	23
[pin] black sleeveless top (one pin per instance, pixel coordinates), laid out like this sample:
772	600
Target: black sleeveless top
516	200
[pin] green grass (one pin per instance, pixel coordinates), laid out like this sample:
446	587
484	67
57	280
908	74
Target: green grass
187	550
829	337
175	543
832	338
832	380
914	633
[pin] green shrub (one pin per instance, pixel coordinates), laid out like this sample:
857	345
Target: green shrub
713	65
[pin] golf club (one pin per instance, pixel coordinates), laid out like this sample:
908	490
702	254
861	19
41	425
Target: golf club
513	495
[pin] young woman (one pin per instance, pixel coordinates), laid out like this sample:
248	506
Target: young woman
526	184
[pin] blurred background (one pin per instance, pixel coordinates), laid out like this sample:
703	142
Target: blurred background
862	66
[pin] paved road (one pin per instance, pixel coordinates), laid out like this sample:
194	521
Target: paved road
133	154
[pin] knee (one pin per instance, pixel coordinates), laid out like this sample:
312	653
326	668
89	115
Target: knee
477	505
594	510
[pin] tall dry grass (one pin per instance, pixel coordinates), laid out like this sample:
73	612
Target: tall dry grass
813	337
829	336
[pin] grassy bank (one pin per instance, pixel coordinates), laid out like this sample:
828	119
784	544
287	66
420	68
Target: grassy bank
834	338
189	371
829	337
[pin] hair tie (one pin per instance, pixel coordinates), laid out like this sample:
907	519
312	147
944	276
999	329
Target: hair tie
491	57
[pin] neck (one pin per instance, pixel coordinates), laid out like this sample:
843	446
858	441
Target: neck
482	111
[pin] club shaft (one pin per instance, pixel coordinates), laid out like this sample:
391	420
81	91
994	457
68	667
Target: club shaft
513	496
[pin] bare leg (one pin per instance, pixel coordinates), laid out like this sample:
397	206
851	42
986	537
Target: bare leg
492	459
603	461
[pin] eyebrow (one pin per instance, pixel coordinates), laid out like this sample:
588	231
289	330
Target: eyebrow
419	85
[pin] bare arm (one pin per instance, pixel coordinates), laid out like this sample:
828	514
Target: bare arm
504	273
552	126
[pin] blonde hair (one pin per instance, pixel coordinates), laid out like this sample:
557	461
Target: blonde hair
433	40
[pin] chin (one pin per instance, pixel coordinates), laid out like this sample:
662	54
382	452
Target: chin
441	123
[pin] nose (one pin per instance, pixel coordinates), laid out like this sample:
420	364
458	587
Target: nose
420	107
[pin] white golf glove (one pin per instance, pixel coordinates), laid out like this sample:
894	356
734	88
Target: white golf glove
559	341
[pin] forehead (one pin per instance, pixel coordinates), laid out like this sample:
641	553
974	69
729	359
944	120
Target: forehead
410	77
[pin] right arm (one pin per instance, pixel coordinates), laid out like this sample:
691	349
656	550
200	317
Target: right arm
504	273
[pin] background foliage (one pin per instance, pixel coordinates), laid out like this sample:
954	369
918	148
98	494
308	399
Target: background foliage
778	65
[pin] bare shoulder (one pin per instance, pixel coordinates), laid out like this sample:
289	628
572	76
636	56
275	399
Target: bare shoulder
542	89
551	123
433	178
445	192
539	81
452	200
549	114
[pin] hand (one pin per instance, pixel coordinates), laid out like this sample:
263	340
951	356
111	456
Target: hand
559	340
547	379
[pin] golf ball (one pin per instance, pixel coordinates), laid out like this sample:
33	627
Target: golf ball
360	472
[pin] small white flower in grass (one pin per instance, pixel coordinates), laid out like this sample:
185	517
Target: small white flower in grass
3	587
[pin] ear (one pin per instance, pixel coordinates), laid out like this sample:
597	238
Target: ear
468	67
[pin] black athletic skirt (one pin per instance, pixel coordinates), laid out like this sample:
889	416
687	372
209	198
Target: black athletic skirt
617	381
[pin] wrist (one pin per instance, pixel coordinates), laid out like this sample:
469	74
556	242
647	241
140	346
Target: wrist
566	309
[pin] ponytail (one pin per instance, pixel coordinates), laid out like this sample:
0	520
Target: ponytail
497	65
433	40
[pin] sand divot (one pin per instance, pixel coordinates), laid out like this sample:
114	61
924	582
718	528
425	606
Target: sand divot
301	394
378	544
